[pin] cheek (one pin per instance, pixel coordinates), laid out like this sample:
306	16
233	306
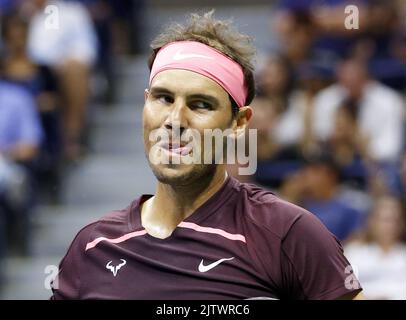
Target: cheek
214	120
152	117
149	121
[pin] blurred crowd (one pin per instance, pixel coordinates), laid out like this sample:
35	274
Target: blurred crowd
330	114
51	52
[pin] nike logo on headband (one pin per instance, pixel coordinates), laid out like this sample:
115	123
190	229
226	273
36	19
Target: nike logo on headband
182	56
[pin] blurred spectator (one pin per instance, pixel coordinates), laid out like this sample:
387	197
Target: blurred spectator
316	188
296	35
379	113
276	80
347	145
330	40
380	254
16	67
20	137
288	138
275	84
380	110
382	43
123	20
128	25
69	46
264	118
380	39
119	26
20	130
296	128
383	26
346	140
102	15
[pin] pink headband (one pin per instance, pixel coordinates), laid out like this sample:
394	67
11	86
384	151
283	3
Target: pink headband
203	59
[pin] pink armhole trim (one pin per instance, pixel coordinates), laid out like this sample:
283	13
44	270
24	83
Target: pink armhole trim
125	237
190	225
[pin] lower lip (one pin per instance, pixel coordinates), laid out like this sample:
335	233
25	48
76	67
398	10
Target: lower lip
183	151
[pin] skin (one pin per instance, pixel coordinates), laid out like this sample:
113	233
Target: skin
387	224
175	98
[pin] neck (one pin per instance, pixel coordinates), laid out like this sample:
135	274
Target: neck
172	204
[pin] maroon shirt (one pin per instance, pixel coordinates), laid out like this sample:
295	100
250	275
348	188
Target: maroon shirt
242	243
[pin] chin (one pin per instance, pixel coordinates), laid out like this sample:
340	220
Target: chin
178	175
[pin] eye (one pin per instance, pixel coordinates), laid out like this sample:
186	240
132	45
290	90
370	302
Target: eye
164	98
201	105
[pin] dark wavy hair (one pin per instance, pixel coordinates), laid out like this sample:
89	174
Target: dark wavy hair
218	34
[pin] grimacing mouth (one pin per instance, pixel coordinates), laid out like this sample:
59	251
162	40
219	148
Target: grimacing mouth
178	148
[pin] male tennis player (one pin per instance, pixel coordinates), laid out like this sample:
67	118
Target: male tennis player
203	235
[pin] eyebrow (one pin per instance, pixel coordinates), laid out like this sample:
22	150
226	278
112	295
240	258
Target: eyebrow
208	98
156	90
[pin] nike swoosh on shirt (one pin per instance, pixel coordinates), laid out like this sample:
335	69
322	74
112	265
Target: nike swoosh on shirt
181	56
203	268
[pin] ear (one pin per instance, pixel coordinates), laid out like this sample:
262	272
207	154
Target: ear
242	120
146	94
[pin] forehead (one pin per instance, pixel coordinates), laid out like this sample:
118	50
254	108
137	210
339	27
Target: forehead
188	82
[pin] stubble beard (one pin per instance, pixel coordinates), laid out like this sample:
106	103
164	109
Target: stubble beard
198	173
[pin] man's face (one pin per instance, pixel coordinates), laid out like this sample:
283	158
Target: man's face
179	102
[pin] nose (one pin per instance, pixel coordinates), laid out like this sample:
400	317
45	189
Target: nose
176	119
